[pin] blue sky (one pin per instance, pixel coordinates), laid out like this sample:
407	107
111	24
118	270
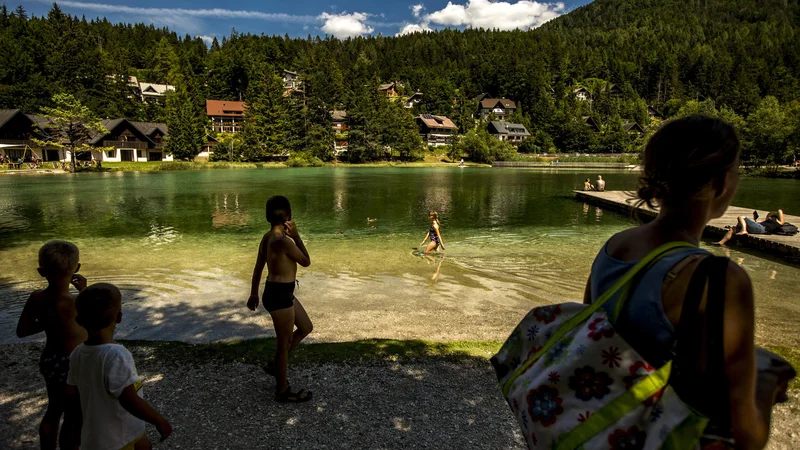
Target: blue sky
340	18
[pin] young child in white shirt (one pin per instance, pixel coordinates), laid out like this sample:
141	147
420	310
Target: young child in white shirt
103	385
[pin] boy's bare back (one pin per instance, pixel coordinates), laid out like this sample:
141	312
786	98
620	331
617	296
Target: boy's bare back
54	313
280	267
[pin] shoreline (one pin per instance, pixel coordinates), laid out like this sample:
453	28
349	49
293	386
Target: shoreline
178	166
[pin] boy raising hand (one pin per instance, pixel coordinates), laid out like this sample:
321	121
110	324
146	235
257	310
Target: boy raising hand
281	250
52	310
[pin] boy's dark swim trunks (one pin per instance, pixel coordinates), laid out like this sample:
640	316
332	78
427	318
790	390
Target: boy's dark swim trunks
53	367
278	295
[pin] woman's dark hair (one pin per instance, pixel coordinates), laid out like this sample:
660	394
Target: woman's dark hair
685	156
278	210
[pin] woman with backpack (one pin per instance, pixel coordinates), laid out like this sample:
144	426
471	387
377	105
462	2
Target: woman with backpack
691	172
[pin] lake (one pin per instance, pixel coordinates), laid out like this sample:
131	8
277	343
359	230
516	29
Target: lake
181	246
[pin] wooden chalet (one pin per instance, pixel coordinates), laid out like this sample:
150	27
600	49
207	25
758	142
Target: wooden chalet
341	126
582	94
390	90
499	108
292	81
226	116
653	112
589	122
632	127
208	147
17	131
151	92
412	101
436	130
509	132
129	141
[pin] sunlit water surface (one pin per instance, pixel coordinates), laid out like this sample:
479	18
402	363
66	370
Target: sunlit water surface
181	245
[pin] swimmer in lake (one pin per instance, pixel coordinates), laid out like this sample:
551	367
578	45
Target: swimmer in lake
434	234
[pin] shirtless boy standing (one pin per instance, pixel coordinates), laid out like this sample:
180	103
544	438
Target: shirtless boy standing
52	310
282	249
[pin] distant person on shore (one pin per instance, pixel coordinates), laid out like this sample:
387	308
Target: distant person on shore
601	183
434	234
105	390
52	310
587	185
281	250
691	171
746	225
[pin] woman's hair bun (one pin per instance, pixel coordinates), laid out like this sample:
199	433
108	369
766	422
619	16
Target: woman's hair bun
652	189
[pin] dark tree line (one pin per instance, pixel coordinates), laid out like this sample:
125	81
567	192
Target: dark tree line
739	59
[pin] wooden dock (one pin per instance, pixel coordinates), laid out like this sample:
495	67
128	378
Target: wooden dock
563	165
622	201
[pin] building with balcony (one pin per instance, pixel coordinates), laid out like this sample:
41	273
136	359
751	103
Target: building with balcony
509	132
129	141
226	116
436	130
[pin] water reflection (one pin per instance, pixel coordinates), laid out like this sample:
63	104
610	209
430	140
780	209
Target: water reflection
226	217
436	261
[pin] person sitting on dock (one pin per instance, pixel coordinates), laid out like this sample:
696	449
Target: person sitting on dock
746	225
587	185
601	183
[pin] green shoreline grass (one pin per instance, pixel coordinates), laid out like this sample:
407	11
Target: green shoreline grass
255	351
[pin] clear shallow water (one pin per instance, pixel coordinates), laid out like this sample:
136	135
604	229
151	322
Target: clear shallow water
514	238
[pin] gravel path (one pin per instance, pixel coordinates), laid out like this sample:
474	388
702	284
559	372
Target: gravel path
434	404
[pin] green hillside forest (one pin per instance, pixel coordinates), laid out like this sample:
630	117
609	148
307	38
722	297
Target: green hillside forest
735	59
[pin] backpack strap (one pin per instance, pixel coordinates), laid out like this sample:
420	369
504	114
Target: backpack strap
706	390
623	283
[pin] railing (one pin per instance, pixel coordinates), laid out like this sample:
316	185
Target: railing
124	144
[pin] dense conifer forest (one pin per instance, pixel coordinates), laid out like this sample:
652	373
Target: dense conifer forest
735	59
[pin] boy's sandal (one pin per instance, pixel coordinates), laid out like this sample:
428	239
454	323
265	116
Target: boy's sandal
269	369
288	396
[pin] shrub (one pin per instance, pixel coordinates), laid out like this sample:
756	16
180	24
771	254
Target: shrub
304	160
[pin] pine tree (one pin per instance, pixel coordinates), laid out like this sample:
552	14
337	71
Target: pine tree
186	129
266	118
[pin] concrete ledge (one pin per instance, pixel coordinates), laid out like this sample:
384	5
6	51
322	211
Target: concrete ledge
625	202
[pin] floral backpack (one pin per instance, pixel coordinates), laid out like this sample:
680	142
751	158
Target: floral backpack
572	382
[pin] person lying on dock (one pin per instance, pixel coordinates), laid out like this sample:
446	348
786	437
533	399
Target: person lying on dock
746	225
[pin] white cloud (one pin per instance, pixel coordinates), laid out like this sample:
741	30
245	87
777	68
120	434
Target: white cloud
345	25
501	15
207	39
416	10
413	28
181	16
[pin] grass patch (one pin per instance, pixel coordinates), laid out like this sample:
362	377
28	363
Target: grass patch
631	159
793	356
255	351
156	166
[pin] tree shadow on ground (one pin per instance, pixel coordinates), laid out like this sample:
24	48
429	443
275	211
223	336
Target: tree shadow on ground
371	394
